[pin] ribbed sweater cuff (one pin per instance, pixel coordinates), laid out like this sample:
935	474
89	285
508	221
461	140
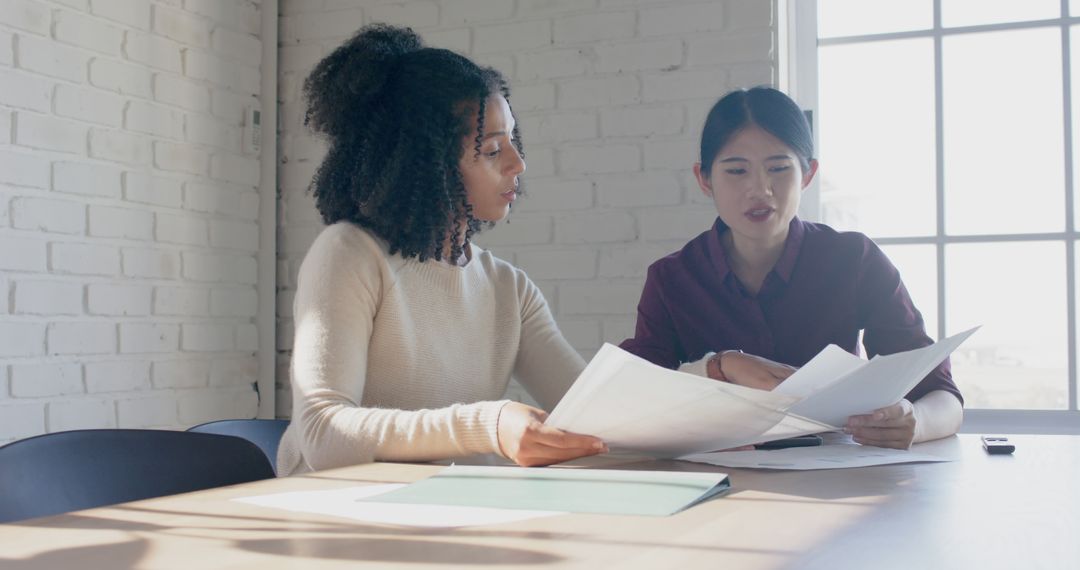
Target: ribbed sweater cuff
698	367
478	426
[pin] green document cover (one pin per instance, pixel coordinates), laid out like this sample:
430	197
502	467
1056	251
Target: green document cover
606	491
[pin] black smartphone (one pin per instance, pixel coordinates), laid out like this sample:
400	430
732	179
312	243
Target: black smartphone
997	445
801	441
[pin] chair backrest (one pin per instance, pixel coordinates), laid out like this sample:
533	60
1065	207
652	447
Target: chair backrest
264	433
73	470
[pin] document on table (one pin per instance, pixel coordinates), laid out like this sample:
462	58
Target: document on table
640	407
361	504
604	491
833	456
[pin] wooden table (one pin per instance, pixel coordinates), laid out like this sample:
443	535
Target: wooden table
1020	511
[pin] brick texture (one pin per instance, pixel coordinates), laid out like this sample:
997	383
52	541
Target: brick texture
109	109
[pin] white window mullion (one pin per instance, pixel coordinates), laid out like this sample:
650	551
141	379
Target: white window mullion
939	152
1070	243
799	80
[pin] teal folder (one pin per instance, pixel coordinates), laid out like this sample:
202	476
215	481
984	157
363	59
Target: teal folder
606	491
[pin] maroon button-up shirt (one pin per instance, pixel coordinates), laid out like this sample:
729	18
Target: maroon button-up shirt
825	288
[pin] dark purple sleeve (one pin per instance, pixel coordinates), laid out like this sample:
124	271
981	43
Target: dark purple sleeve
891	322
654	336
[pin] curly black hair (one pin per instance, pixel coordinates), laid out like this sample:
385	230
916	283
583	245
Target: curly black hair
395	114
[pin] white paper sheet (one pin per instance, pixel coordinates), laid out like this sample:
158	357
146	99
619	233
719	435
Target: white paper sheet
344	503
873	384
826	367
834	456
639	407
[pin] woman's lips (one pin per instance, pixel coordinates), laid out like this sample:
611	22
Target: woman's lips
510	195
759	214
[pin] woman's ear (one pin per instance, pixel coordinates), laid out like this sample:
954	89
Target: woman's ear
702	180
808	176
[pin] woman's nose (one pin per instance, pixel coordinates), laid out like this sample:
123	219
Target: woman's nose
516	163
759	185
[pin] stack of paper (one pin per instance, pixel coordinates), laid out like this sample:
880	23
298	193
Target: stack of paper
636	406
828	456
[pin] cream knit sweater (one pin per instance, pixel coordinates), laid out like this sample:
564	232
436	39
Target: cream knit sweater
398	360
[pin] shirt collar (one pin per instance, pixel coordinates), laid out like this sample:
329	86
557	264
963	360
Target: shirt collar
784	267
716	249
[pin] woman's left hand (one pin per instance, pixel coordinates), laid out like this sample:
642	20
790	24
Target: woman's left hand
892	426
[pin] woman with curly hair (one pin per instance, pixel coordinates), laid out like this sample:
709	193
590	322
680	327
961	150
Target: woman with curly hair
407	333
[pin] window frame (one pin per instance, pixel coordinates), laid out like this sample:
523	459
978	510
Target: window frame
797	45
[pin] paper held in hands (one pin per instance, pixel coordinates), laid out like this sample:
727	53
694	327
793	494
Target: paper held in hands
837	384
640	407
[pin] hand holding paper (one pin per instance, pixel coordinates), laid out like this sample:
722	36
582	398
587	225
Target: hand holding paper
892	426
836	385
752	371
527	441
634	405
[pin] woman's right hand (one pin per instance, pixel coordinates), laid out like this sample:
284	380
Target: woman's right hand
753	371
525	439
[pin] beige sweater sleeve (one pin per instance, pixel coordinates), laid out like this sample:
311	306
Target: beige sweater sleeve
546	364
340	285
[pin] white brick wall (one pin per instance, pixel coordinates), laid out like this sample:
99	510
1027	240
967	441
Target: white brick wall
40	297
134	13
181	301
117	376
610	96
119	299
89	105
149	337
43	214
181	373
120	161
53	379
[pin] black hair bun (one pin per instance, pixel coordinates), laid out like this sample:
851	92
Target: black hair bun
343	85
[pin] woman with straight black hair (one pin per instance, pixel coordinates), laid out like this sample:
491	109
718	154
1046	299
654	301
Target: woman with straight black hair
407	333
762	292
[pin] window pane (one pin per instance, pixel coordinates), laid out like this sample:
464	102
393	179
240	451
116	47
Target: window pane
1074	7
861	17
1018	359
976	12
918	270
1002	117
1074	39
876	104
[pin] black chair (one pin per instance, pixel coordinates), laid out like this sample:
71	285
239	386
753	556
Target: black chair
264	433
82	469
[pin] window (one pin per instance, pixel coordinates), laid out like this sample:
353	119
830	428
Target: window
945	132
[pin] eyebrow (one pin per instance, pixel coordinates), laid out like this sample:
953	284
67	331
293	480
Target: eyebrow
496	134
773	157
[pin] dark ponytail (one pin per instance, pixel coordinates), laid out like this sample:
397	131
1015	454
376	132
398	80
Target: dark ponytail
765	107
